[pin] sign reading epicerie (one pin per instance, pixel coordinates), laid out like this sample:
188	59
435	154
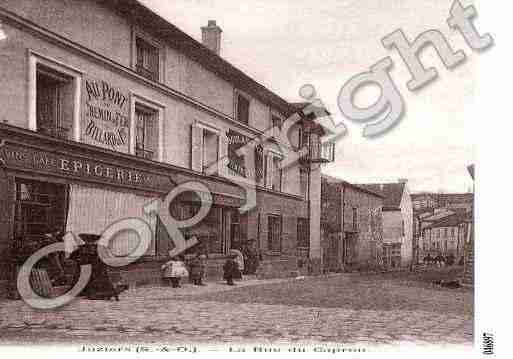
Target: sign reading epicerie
105	115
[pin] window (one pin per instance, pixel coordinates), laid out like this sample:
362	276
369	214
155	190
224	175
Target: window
303	232
402	227
266	169
355	218
274	233
147	59
276	174
304	180
276	126
242	108
54	102
40	208
304	137
210	149
146	132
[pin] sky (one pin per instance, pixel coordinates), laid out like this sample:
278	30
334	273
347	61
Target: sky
286	44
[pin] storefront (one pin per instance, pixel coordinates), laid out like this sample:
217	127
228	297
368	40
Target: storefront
49	184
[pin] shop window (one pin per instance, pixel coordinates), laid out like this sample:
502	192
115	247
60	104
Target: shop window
54	102
274	232
146	132
210	149
40	208
304	181
147	59
303	232
242	108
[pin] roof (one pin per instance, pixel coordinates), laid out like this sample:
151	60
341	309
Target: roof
422	212
392	193
176	38
452	220
415	196
335	180
456	197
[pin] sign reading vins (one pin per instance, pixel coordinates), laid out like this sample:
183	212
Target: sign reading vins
105	115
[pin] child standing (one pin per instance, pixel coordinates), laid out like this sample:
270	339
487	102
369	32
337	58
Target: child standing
197	266
231	270
173	270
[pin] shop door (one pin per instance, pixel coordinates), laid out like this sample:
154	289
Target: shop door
333	250
227	230
7	190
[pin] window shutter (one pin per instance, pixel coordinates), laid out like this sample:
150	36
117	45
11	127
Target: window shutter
197	148
223	155
151	136
269	171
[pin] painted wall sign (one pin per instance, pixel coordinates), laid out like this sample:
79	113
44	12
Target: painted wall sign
105	115
16	156
236	163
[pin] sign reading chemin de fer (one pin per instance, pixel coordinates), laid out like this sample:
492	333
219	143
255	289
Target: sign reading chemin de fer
105	115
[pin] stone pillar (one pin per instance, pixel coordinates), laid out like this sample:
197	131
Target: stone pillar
315	219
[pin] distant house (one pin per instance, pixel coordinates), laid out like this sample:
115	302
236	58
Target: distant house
397	222
351	225
423	201
445	236
442	200
455	200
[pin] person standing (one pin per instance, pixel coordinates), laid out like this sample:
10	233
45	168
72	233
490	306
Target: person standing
231	270
197	269
251	257
173	271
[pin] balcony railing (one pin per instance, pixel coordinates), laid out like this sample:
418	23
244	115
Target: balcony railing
139	152
149	74
58	132
320	152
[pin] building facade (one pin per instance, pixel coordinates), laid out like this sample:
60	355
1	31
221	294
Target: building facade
108	107
351	226
397	223
445	237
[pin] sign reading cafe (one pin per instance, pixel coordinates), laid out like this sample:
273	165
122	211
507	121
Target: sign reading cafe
105	115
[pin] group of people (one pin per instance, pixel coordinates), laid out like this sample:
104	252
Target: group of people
246	260
441	261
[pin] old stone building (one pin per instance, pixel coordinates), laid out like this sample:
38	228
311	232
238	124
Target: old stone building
351	226
397	222
108	107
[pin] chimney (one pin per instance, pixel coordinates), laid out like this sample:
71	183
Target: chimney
211	36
